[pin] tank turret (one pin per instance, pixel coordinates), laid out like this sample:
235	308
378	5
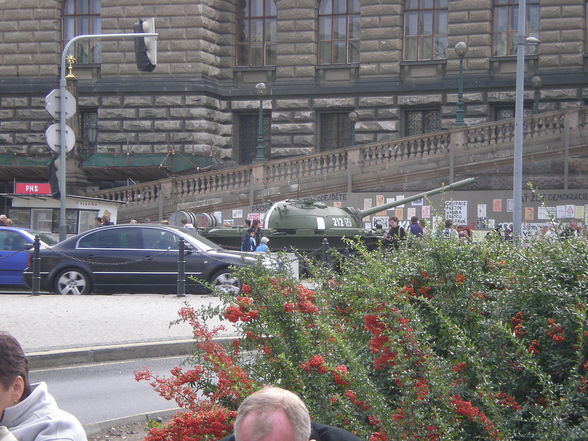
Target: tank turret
304	223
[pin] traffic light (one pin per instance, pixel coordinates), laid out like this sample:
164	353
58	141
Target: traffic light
145	47
54	178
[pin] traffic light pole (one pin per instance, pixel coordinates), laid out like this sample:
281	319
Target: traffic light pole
62	141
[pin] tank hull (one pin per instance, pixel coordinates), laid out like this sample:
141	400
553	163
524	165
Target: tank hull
306	241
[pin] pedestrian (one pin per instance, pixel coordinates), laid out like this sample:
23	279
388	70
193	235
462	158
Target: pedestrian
414	228
256	225
27	410
97	221
395	232
423	224
276	414
187	224
262	247
3	219
133	221
106	220
449	232
248	241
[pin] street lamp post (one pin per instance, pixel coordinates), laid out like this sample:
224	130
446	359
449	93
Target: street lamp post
353	117
461	49
536	82
260	155
517	181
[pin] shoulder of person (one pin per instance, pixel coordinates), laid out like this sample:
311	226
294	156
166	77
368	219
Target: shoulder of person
6	435
322	432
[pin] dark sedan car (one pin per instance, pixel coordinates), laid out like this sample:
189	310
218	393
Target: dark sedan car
136	258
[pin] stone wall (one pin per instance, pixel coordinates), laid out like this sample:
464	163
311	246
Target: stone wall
191	100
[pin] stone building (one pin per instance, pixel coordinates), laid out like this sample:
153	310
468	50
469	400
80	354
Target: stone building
389	64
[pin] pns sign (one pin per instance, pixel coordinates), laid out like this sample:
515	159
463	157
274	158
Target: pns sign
32	188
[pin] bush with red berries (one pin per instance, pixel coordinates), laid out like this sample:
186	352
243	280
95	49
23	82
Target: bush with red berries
436	340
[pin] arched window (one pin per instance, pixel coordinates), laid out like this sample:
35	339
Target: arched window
425	30
256	33
339	29
82	17
506	16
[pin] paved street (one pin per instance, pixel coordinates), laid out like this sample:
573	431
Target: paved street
53	322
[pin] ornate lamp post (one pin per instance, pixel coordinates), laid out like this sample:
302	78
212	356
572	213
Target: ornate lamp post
461	49
536	82
260	156
353	116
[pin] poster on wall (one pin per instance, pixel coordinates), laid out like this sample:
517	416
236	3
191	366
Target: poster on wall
426	212
560	211
337	204
380	201
380	222
509	205
399	213
496	205
570	211
398	198
545	213
417	203
481	210
457	212
529	213
237	214
410	212
219	216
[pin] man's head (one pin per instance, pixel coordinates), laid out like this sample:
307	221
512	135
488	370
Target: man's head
256	223
448	223
414	220
272	414
393	221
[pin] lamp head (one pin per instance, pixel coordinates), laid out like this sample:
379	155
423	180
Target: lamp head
261	89
461	49
353	116
536	82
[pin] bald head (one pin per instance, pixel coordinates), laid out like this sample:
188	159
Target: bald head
272	414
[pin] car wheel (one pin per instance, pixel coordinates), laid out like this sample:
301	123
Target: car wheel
72	281
226	282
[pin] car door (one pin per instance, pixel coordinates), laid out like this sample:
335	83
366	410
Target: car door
113	255
161	270
13	257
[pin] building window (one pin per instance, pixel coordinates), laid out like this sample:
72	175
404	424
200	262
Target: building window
506	14
256	33
335	130
247	129
425	30
421	121
82	17
339	30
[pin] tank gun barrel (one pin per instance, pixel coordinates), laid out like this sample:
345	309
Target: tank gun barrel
363	213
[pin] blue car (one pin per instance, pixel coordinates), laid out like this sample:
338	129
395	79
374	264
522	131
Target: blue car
14	245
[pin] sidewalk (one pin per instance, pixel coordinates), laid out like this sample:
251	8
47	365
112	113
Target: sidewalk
63	330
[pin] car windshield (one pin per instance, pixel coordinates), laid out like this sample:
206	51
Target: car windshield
203	243
45	238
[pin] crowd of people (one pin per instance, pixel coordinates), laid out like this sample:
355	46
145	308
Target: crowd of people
252	240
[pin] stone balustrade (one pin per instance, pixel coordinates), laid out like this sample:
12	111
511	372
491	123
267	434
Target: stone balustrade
167	195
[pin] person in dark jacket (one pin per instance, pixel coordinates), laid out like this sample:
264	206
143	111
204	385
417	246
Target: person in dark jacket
275	414
414	228
395	233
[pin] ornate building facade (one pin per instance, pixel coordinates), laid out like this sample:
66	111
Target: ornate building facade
336	72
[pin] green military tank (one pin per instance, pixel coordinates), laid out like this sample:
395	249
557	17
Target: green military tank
303	224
